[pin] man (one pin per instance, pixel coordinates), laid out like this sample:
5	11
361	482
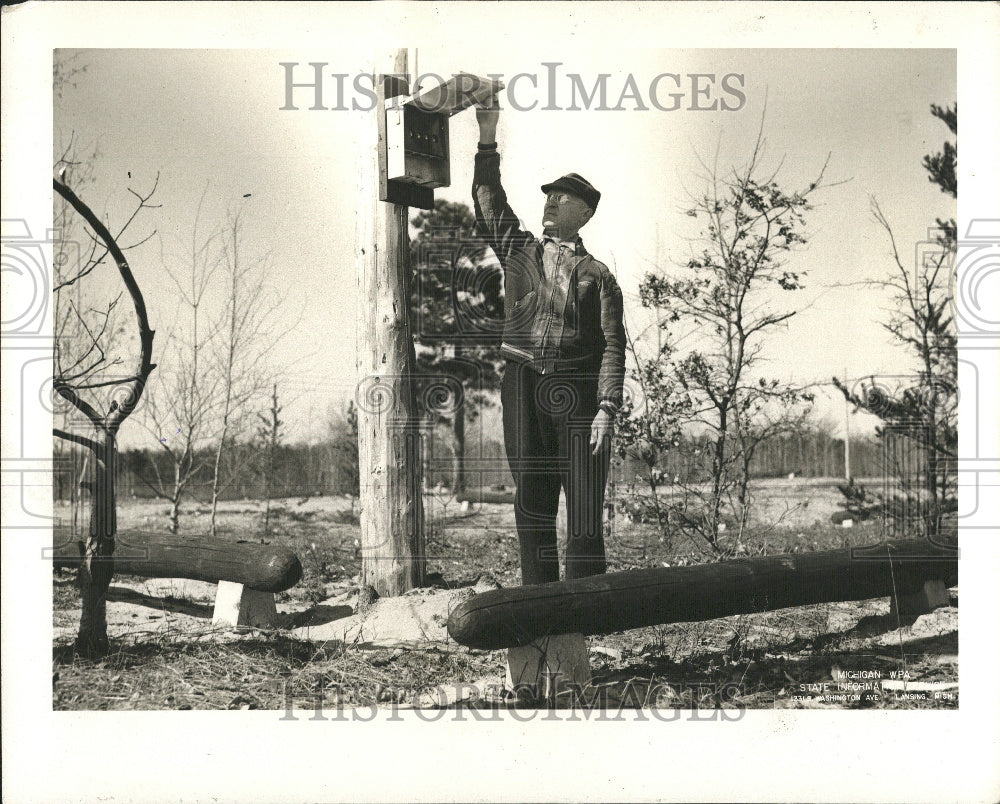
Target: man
564	341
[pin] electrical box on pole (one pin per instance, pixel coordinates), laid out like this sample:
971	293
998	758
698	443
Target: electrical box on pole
414	154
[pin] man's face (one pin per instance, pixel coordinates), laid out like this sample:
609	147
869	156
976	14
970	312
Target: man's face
564	213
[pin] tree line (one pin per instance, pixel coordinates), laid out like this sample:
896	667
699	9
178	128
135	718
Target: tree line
254	471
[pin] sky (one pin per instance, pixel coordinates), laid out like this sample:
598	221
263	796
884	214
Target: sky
213	119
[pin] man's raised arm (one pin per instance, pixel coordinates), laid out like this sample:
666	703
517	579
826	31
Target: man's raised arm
495	219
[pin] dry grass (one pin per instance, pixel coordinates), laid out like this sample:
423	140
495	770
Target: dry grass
257	672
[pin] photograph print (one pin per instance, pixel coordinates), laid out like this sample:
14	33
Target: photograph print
630	390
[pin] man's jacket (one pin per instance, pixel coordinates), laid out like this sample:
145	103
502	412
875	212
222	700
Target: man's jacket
576	323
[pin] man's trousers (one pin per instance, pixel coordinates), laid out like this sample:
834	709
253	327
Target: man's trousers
546	421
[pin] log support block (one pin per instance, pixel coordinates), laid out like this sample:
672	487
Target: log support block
239	605
932	595
547	666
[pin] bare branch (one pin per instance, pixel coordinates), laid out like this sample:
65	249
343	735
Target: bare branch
83	441
140	242
67	393
118	414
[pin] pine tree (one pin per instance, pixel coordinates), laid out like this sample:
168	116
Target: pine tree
457	314
922	415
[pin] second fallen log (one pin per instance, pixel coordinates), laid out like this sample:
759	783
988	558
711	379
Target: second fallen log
602	604
153	554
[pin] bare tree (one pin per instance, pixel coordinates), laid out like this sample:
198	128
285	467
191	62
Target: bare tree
80	375
219	368
723	302
181	403
246	337
269	436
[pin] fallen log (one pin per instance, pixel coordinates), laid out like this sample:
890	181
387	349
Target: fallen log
151	554
601	604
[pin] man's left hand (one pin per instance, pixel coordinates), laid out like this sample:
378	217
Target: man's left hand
601	431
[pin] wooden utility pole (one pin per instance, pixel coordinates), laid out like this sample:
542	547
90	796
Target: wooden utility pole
389	454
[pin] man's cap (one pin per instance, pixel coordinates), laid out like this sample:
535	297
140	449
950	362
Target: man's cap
576	184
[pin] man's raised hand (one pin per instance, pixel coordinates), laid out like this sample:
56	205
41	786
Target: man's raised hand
488	115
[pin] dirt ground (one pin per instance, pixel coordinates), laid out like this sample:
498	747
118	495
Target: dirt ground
167	655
